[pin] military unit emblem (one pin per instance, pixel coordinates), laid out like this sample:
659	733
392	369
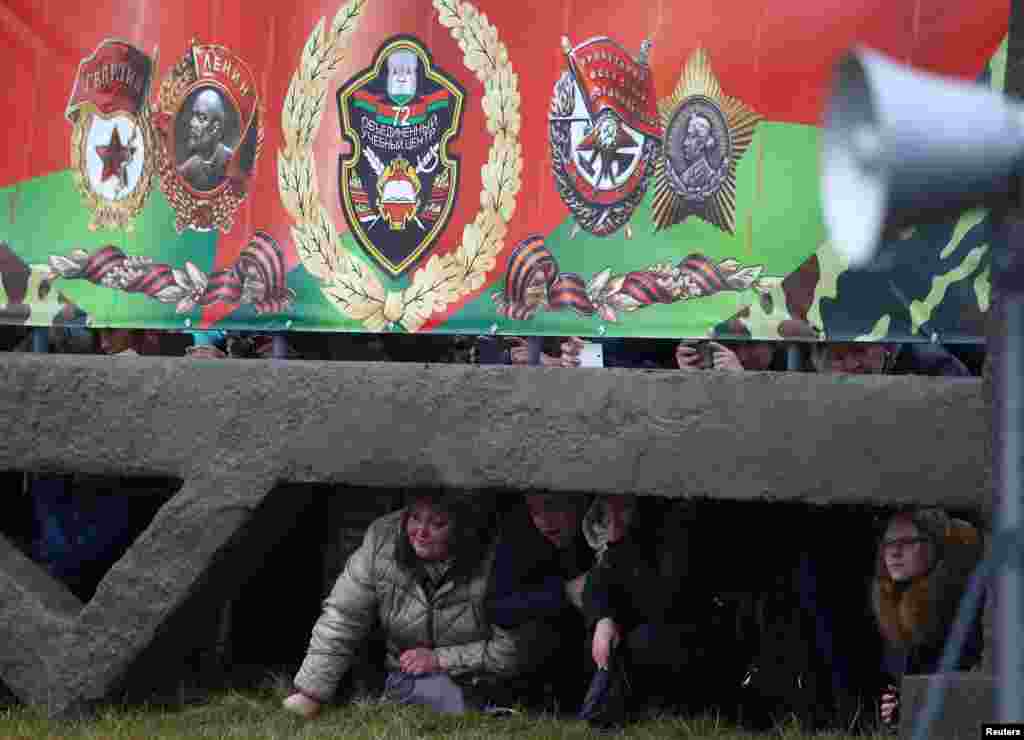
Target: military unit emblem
605	133
209	121
399	182
706	135
112	141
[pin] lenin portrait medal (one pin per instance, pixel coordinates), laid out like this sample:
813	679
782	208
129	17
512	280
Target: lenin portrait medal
706	135
112	152
398	184
209	121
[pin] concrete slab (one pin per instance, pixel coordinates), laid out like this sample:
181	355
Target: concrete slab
755	436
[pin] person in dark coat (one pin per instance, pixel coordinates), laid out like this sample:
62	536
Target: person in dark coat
924	562
901	359
927	359
639	603
540	568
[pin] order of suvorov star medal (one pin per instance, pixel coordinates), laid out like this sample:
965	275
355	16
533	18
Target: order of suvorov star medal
706	135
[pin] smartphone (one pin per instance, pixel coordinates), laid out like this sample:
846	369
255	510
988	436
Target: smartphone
592	355
707	355
706	352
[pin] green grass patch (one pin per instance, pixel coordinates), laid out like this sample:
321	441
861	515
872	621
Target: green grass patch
257	714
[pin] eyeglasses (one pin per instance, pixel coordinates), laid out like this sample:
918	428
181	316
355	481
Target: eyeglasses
902	542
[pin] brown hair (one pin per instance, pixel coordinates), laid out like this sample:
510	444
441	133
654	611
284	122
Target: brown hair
471	520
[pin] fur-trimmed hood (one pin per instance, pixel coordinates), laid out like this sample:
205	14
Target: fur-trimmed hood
922	612
595	531
595	525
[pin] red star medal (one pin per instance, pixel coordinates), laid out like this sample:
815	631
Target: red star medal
114	155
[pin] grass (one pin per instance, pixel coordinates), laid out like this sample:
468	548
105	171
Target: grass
257	714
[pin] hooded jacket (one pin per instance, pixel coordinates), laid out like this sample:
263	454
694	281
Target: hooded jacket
376	586
639	579
915	619
530	574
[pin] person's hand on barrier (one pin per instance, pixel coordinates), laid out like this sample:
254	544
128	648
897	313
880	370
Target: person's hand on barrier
606	637
419	660
725	359
890	703
302	705
687	357
205	352
571	349
574	590
519	354
519	351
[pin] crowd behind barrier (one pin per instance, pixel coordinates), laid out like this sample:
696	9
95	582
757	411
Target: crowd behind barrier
599	608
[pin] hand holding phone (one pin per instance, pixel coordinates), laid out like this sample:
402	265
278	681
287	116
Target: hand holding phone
591	355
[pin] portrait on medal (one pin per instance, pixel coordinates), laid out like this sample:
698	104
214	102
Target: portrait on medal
698	148
207	132
706	135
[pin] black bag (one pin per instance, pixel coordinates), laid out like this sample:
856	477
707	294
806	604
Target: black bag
604	706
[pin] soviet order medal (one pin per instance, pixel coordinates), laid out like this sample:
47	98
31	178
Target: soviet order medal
706	135
605	134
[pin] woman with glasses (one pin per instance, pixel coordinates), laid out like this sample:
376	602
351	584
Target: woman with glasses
925	559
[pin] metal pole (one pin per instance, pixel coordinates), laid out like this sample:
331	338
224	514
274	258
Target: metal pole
279	350
535	344
1010	608
793	357
40	339
1007	275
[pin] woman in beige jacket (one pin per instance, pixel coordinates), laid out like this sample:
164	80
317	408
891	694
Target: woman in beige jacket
423	574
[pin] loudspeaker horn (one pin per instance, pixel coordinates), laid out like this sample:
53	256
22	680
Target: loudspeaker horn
902	146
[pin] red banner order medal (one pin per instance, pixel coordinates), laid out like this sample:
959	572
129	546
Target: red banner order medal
605	134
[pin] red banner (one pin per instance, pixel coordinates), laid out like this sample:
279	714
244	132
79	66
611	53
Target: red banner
114	78
612	79
643	145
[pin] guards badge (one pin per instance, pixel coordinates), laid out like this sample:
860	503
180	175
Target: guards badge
398	184
706	135
112	142
605	134
209	121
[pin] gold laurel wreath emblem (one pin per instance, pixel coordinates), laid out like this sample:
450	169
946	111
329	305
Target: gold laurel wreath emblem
351	285
207	212
120	213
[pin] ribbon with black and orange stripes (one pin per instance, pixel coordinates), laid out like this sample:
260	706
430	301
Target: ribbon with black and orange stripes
257	277
533	283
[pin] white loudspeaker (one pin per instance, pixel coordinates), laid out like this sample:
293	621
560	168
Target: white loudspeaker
903	147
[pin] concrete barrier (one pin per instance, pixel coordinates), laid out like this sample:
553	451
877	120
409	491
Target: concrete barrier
232	430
